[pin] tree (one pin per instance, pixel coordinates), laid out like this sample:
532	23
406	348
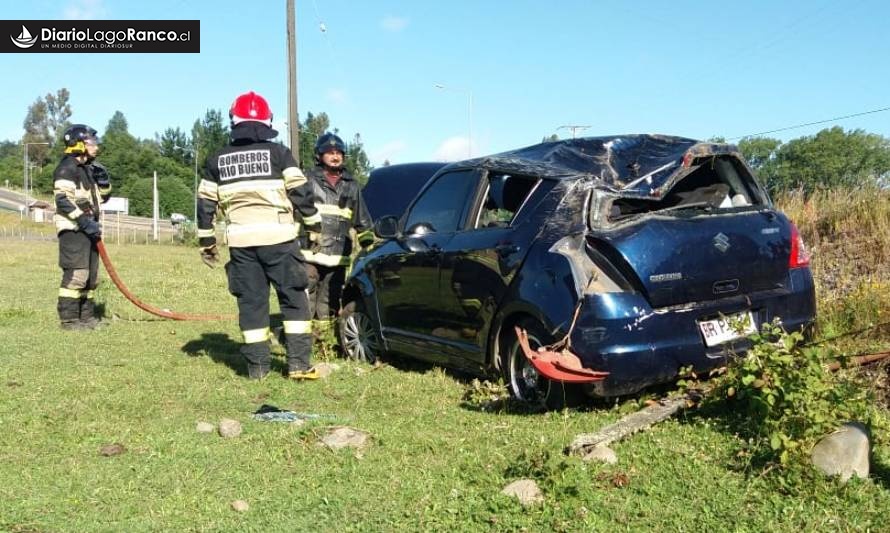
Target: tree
58	111
210	134
310	130
175	144
36	126
758	151
550	138
173	197
832	158
357	162
121	153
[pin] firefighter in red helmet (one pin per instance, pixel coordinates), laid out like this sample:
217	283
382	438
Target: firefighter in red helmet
256	185
80	185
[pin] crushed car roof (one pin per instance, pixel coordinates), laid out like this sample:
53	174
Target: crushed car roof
638	163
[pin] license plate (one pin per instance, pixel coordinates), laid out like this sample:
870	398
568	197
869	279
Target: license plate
720	330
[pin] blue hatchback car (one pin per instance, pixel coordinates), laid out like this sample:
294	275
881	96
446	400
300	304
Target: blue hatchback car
623	259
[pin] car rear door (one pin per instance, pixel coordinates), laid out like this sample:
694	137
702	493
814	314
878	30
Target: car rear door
479	262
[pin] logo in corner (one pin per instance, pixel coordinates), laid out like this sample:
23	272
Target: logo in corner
24	40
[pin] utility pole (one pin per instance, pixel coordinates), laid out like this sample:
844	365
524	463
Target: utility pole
293	125
574	128
195	191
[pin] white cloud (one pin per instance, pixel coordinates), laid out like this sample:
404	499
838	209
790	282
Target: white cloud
393	24
337	96
85	10
452	149
388	152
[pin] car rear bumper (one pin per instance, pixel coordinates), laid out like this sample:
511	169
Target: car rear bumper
639	346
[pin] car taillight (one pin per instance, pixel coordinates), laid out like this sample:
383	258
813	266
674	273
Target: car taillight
800	256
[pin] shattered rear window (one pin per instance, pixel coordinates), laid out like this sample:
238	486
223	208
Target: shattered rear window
709	184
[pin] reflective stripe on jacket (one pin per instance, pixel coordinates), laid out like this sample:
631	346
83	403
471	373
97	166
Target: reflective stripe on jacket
256	186
75	193
341	208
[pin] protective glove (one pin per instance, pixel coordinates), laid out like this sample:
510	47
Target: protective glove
210	255
100	174
365	238
89	226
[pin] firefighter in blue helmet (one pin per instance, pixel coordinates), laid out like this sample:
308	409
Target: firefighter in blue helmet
80	186
256	185
338	198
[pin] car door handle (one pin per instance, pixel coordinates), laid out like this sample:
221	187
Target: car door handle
504	250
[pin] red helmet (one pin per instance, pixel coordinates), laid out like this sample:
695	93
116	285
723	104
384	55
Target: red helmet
250	106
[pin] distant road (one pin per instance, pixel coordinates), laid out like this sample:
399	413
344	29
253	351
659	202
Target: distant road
14	201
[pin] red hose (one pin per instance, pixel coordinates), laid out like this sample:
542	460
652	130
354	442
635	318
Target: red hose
164	313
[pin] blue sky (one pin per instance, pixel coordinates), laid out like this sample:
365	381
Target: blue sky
690	68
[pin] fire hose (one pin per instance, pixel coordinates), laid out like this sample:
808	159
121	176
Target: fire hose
163	313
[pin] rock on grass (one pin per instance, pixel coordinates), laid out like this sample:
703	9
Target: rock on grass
345	437
240	505
229	428
524	490
204	427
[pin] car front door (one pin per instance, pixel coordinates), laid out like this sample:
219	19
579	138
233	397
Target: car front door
408	279
480	261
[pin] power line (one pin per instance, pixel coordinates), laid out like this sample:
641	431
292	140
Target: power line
811	123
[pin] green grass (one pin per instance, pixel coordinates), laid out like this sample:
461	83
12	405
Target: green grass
436	462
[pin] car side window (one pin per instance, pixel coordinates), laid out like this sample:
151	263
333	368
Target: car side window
505	196
443	203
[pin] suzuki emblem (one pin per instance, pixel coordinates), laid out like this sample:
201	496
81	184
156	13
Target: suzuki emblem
721	242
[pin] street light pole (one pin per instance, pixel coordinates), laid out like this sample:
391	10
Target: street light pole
26	177
469	113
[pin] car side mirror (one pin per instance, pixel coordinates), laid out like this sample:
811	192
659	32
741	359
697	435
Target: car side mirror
387	227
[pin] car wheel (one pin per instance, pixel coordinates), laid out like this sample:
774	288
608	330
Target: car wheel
358	337
524	382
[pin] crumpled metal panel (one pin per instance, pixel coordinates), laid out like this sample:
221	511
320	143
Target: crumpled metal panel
639	164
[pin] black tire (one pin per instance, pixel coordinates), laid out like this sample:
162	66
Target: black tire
359	338
523	381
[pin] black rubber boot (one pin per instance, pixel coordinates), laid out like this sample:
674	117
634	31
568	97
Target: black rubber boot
299	350
69	313
88	318
258	357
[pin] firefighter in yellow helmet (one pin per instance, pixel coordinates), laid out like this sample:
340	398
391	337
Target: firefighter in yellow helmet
80	186
255	183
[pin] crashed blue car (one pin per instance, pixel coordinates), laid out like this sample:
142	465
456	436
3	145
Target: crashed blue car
604	263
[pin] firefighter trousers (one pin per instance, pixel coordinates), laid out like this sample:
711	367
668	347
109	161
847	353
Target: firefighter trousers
325	289
79	261
250	271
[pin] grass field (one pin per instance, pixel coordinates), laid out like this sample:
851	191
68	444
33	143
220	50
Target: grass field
436	462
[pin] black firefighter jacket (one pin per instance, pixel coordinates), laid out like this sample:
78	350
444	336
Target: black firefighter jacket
341	208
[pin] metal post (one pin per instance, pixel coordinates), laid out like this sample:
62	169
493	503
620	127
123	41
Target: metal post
293	125
154	206
195	190
25	181
27	176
